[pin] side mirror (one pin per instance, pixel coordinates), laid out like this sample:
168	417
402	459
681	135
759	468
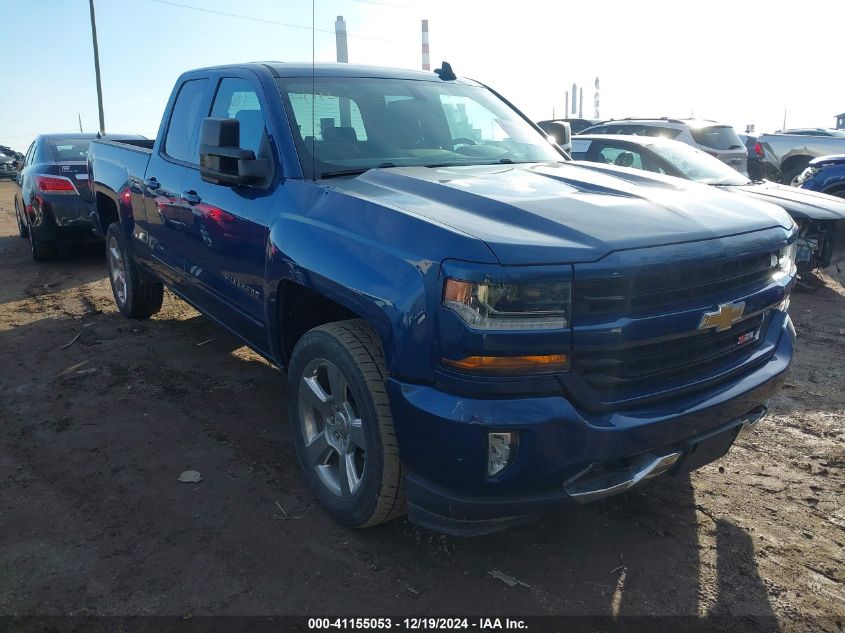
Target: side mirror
561	131
222	160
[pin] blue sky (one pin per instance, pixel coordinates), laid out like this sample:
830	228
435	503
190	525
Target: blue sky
739	62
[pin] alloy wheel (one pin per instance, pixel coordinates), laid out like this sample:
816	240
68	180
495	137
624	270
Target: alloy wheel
331	427
117	270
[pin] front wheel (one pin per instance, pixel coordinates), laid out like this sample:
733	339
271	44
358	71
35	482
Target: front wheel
342	426
137	295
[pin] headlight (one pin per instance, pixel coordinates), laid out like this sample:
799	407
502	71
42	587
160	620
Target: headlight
808	173
510	306
786	261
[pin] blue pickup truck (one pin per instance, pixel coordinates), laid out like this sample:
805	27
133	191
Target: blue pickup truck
474	329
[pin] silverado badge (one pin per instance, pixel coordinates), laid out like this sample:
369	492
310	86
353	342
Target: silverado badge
723	317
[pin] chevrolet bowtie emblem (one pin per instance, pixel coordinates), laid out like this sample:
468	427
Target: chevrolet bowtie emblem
723	317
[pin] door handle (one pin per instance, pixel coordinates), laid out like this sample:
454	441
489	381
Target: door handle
191	197
151	183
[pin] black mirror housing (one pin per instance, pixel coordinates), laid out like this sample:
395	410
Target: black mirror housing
222	160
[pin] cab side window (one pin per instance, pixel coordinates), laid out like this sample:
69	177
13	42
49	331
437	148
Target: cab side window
237	99
184	122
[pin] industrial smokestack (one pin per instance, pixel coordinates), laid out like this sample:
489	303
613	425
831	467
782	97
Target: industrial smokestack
340	40
581	105
596	99
566	109
574	98
426	62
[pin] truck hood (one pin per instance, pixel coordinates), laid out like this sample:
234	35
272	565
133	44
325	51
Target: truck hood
797	202
562	212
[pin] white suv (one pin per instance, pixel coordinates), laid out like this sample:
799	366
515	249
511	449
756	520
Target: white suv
717	139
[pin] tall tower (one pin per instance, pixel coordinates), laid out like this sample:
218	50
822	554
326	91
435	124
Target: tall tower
596	99
426	62
340	40
581	105
574	99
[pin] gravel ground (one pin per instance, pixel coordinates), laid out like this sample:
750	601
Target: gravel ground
93	436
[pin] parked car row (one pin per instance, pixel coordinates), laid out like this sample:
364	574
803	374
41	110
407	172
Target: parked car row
8	162
778	157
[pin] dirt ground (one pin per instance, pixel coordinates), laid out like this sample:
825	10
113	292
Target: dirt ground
95	432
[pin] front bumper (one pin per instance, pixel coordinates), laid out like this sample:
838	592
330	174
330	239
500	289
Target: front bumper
443	443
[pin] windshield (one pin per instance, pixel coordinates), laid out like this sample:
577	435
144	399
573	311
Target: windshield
65	149
353	124
717	137
697	165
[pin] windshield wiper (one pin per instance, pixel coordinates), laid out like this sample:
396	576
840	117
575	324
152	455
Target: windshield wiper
352	172
501	161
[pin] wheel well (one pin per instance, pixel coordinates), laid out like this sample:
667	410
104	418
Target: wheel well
301	309
793	161
107	210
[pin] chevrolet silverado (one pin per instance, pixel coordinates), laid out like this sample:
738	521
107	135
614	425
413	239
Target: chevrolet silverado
473	329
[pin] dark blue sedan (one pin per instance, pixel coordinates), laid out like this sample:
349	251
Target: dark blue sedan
825	174
53	201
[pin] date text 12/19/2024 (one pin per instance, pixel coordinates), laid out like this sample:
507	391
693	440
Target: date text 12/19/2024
418	624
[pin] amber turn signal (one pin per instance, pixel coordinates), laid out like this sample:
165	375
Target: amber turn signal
509	365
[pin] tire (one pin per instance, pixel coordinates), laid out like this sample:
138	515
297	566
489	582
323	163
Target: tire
42	250
338	406
788	176
136	293
23	229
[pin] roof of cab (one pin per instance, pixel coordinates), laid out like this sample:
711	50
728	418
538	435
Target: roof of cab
305	69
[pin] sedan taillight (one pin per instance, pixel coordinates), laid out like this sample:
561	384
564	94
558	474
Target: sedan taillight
54	184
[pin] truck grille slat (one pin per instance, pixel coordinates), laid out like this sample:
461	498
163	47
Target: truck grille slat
636	368
666	288
627	369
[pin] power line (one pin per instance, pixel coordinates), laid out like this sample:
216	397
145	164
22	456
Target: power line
264	20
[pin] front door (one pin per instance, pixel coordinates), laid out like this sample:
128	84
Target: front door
228	226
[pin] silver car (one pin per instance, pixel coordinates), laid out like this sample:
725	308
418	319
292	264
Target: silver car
717	139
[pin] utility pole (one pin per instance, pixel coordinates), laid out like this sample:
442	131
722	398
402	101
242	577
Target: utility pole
97	68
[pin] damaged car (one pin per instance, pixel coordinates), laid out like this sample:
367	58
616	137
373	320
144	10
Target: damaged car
820	217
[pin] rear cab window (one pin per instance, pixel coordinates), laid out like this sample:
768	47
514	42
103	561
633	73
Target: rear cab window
721	137
69	149
179	143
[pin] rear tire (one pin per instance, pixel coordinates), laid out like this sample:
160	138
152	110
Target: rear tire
788	176
42	250
23	229
136	293
342	425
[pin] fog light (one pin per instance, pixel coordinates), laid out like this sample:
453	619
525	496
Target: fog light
501	449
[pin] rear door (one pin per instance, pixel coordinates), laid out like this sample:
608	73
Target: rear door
169	165
228	226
